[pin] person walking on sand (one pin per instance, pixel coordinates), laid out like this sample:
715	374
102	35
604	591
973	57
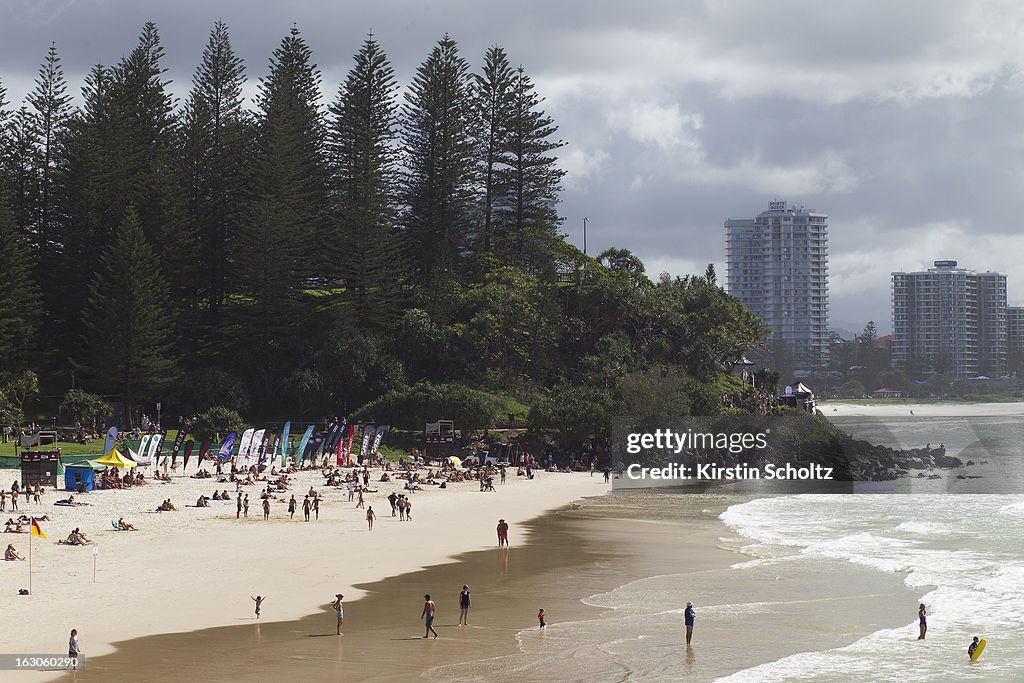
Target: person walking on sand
689	615
316	507
401	508
339	611
408	510
464	604
393	499
245	506
502	533
305	507
74	649
360	504
266	509
428	613
238	512
291	507
259	603
370	516
923	622
542	619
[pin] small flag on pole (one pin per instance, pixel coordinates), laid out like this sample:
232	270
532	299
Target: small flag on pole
36	529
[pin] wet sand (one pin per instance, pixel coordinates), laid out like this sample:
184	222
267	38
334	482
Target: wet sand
572	555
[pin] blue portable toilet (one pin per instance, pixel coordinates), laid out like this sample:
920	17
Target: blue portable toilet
80	473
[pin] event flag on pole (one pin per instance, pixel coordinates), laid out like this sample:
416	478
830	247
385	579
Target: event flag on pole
108	443
364	447
36	529
224	454
348	447
137	456
377	438
300	452
188	451
284	442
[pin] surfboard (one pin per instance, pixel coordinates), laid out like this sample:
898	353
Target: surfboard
978	650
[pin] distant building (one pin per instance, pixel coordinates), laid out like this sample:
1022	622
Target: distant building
1015	329
777	266
950	320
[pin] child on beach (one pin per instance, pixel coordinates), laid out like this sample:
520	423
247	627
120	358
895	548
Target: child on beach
259	603
540	618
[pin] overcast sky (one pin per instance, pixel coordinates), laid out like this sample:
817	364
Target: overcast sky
904	121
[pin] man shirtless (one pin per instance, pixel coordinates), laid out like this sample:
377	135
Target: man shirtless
428	612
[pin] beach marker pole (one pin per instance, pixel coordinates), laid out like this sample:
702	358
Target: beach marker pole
95	552
30	535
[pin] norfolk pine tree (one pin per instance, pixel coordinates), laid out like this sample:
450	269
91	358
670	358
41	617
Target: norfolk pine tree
216	129
50	109
366	251
492	109
438	183
278	243
129	337
19	297
533	181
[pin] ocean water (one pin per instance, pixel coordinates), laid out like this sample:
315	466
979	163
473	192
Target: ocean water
818	587
962	553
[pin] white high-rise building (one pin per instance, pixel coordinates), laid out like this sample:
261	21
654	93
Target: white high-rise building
950	320
777	266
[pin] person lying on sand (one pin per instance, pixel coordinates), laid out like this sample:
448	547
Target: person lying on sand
11	554
18	528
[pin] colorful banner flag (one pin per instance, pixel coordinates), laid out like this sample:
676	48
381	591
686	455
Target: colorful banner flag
312	448
141	453
202	451
188	451
377	438
108	443
224	454
284	442
341	451
178	440
243	448
348	447
364	447
300	452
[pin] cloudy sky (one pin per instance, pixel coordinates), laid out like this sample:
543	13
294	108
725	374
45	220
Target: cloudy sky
904	121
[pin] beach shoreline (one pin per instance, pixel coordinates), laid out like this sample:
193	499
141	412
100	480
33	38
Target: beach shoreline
600	556
197	568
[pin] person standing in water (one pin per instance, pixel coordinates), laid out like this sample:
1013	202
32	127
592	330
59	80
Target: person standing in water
689	616
339	611
502	533
542	619
428	613
922	613
259	603
464	605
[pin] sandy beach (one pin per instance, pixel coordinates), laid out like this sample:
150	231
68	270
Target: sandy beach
197	568
934	409
613	576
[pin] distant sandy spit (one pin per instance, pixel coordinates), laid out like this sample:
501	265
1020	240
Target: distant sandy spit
196	568
937	409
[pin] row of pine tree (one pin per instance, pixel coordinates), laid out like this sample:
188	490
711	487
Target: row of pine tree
144	239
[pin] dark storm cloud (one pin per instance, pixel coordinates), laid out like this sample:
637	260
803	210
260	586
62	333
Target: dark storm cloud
900	120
